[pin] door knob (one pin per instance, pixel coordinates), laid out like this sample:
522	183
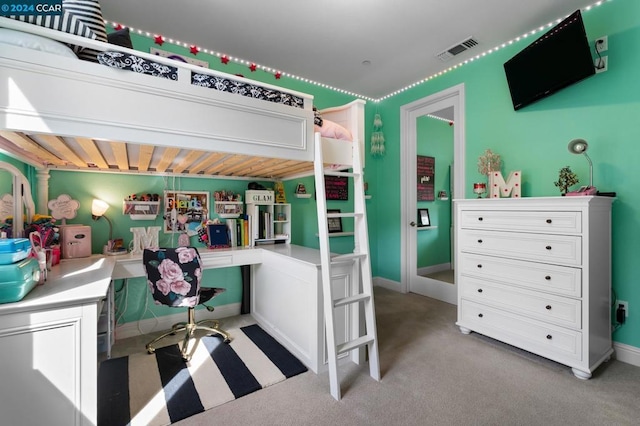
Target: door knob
412	223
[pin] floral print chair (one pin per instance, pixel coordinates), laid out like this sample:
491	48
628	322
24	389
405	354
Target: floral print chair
174	276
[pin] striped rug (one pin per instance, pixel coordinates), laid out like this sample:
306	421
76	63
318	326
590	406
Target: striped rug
161	389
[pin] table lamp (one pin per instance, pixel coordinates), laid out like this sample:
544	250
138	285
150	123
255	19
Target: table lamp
98	208
579	146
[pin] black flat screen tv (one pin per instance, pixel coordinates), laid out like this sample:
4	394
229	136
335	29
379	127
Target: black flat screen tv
559	58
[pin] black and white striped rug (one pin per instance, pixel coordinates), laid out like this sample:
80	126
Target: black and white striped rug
160	389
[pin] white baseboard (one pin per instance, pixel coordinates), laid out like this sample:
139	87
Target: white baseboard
138	328
627	353
388	284
434	268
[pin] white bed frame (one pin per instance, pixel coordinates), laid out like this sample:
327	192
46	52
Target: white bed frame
51	94
44	93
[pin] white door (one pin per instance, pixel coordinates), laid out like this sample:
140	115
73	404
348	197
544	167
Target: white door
447	100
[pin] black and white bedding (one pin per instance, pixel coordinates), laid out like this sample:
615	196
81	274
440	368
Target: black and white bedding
238	87
129	62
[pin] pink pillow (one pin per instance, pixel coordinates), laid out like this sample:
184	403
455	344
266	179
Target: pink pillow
333	130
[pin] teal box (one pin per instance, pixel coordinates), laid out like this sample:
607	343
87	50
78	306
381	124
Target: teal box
13	250
18	279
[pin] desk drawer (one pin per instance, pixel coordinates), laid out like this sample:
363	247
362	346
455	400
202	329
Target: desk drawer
217	261
525	221
561	280
552	309
553	342
554	249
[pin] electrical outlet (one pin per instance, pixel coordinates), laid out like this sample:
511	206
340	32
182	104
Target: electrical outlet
602	44
625	305
601	64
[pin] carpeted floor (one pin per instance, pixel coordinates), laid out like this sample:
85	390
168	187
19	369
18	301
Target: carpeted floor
434	375
161	389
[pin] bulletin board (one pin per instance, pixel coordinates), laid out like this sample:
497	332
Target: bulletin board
426	169
185	211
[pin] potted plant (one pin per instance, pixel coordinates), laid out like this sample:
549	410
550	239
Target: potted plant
566	179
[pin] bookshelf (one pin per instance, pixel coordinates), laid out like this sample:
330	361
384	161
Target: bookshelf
269	222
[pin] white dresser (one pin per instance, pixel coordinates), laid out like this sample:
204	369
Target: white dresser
536	273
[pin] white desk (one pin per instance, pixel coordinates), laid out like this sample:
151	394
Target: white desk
282	289
48	367
48	362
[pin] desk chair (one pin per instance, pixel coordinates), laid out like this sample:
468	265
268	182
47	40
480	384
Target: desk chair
174	276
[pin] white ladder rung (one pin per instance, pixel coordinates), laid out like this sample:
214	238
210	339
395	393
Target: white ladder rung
347	256
342	174
345	214
351	299
355	343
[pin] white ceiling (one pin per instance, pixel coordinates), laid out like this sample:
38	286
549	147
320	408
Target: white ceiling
328	41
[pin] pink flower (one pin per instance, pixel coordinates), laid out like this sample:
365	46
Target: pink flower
151	287
186	254
180	287
163	286
198	274
170	271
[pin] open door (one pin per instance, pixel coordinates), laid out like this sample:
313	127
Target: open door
417	277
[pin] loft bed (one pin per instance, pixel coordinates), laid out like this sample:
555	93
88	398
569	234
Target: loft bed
59	112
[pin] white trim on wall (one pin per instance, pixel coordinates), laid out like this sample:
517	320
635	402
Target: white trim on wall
627	353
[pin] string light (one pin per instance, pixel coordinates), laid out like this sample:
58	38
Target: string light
159	39
508	43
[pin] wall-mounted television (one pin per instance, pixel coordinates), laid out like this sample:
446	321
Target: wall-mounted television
559	58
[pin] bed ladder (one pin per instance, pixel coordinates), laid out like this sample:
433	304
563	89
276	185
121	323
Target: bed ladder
362	294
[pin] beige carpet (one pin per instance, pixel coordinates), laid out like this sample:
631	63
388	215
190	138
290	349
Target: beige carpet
434	375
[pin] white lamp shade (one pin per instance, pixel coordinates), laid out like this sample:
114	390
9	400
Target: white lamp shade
578	146
98	207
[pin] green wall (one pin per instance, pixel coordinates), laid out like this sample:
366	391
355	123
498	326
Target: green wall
602	109
435	139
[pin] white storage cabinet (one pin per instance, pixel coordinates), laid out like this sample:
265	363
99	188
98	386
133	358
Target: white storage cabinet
536	273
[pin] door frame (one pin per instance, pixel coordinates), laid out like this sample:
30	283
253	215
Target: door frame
409	113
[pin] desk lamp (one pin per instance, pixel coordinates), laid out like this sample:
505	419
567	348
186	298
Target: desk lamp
98	208
579	146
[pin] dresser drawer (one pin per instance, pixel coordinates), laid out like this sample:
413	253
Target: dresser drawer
554	249
525	221
557	310
561	280
553	342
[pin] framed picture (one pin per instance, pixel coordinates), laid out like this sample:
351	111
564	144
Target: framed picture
185	211
334	223
426	167
336	187
423	217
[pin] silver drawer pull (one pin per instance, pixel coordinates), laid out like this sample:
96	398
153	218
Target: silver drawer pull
548	247
548	307
548	278
549	337
479	290
549	221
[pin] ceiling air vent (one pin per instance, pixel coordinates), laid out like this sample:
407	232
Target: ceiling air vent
457	49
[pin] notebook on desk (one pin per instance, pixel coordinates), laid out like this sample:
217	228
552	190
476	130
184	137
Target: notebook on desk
218	234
